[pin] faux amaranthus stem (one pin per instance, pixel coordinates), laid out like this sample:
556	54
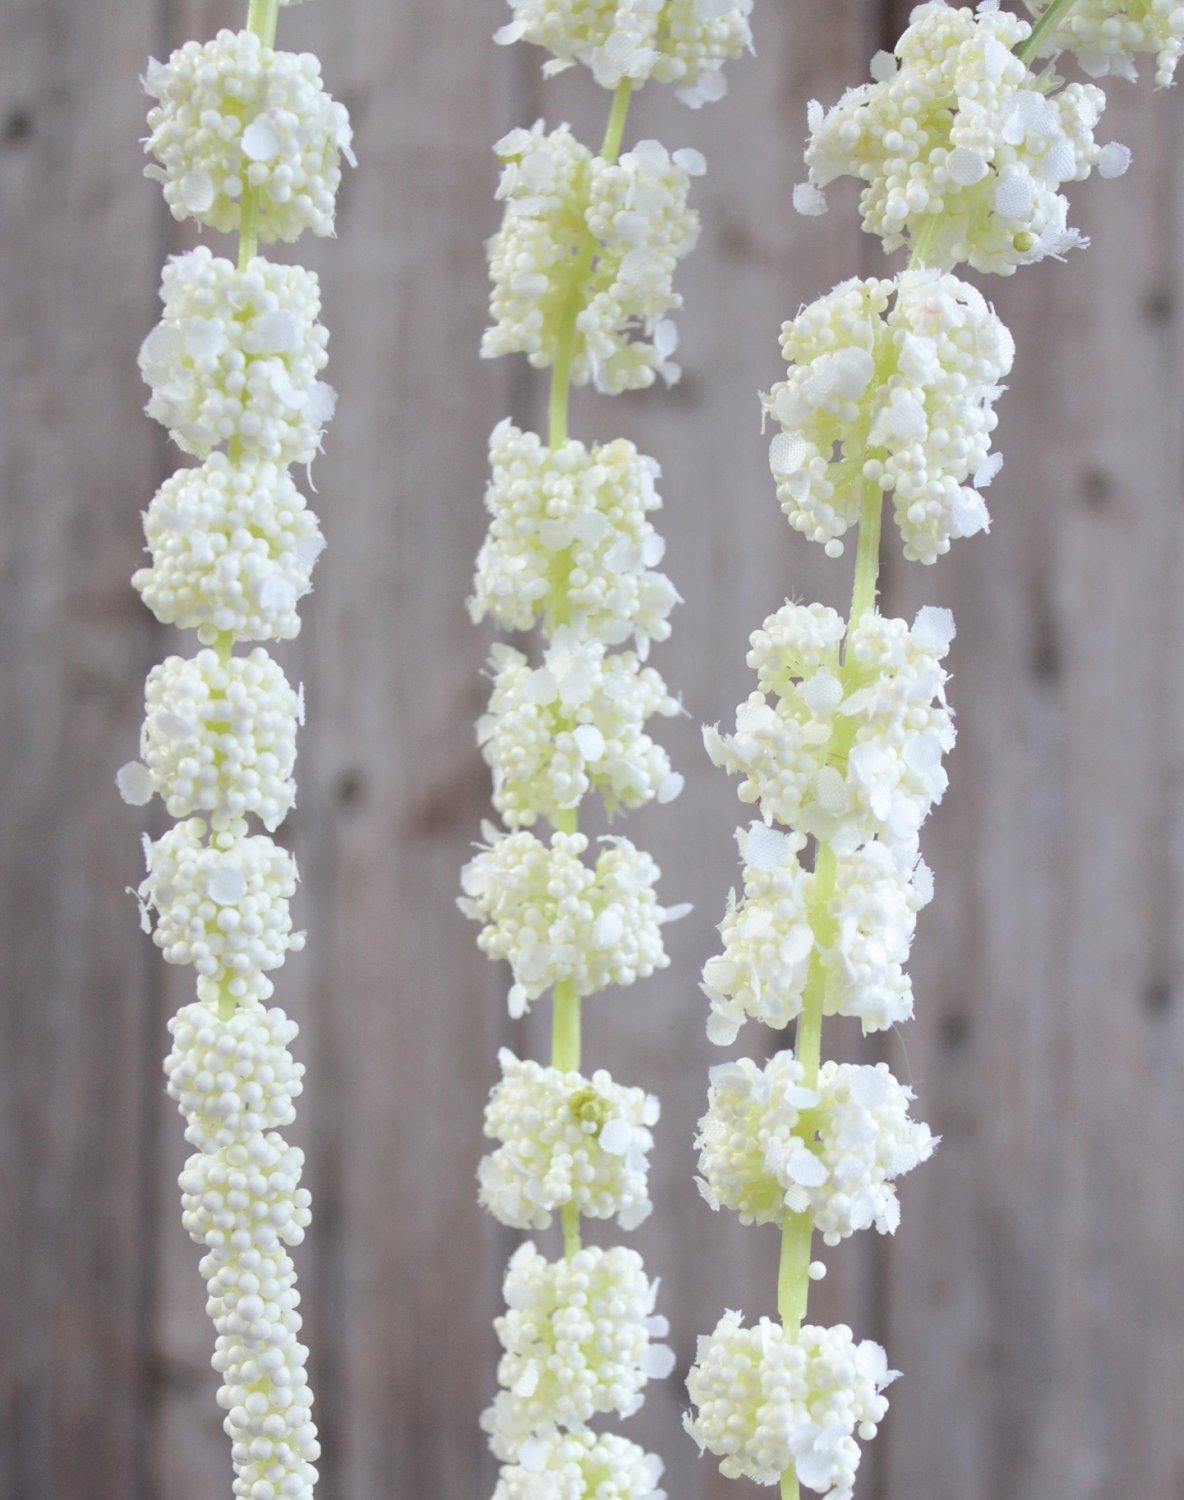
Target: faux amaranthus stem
262	19
1028	48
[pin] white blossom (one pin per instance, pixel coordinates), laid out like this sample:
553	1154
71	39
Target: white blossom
891	383
234	1076
1105	36
219	737
236	357
768	1145
846	751
957	141
232	111
557	920
683	42
223	910
574	724
570	540
579	1339
767	1398
565	1139
232	547
625	224
557	1465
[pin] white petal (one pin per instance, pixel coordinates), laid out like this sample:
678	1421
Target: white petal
134	782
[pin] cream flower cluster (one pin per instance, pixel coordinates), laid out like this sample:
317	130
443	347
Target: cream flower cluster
555	732
579	1339
232	110
236	358
557	920
570	539
891	383
566	1139
768	1144
623	224
845	756
768	1398
244	137
680	42
1105	36
232	547
955	139
555	1465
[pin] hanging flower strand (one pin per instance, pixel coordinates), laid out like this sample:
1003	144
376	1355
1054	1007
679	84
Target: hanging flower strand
962	150
243	138
582	271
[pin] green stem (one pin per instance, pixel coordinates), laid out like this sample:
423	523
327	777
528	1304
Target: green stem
867	555
263	19
1028	48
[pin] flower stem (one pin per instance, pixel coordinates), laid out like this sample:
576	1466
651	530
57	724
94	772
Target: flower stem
262	19
867	555
1028	48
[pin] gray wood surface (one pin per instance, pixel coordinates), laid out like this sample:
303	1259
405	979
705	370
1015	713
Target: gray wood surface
1033	1293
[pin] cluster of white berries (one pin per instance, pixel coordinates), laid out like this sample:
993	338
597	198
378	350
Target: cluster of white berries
232	547
680	42
565	1139
570	540
957	141
575	723
767	1398
236	356
557	1465
232	111
579	1339
243	138
891	383
617	229
1105	36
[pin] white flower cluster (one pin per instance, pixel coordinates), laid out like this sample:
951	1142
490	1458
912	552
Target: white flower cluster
569	540
558	1465
1106	36
958	142
578	1339
557	920
768	1398
615	229
236	358
554	732
565	1139
232	1077
223	910
219	738
232	111
891	383
768	1145
846	754
244	1204
232	547
683	42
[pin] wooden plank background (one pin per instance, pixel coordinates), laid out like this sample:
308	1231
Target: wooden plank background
1033	1294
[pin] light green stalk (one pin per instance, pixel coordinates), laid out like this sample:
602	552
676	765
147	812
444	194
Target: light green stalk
1028	48
262	18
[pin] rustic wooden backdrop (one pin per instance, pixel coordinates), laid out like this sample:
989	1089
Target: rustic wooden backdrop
1033	1295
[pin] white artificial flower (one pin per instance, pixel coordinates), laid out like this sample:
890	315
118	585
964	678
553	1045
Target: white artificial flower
565	1139
231	113
579	1339
557	920
570	540
846	751
956	141
557	1465
1105	36
219	737
232	547
891	383
681	42
235	1076
767	1398
574	724
562	205
768	1145
236	356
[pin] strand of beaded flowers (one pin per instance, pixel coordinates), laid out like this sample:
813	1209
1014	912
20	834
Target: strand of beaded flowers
582	272
962	148
244	138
